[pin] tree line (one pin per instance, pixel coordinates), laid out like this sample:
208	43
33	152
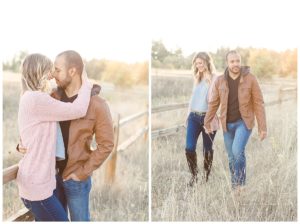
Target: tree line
263	62
116	72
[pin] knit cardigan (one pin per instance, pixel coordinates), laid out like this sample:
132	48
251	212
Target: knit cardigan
37	117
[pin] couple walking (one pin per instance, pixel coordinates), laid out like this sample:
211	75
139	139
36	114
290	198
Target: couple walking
56	130
240	99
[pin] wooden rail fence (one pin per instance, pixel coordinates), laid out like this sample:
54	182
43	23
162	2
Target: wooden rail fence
10	173
175	129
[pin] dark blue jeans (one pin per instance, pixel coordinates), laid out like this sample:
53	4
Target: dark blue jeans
194	128
74	195
49	209
235	139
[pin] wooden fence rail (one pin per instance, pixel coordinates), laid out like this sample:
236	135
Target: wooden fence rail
132	118
166	73
169	107
10	173
166	131
175	129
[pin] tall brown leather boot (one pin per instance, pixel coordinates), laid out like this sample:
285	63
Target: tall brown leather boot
208	159
191	158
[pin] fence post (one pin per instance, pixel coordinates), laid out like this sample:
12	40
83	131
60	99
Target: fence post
112	162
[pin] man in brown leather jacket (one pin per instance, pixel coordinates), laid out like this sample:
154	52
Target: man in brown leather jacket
238	94
74	172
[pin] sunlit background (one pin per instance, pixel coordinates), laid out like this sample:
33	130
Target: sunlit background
113	39
209	25
263	32
114	30
266	35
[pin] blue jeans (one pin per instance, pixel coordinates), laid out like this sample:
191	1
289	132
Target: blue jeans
74	195
194	127
49	209
235	139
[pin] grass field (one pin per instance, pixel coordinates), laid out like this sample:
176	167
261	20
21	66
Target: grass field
271	190
127	198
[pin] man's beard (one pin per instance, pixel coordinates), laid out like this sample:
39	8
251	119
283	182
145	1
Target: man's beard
63	84
235	71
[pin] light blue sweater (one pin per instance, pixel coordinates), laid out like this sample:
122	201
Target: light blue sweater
60	147
199	97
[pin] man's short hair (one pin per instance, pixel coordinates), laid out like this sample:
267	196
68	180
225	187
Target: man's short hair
72	59
232	52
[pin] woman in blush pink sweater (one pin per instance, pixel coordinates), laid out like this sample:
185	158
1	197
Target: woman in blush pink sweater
37	119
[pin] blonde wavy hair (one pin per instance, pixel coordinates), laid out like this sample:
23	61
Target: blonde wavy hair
208	63
35	71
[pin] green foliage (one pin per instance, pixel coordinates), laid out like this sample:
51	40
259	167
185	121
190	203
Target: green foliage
118	73
95	68
159	51
142	73
219	58
288	63
263	62
15	63
163	58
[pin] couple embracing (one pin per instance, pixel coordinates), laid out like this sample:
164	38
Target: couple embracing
240	99
56	129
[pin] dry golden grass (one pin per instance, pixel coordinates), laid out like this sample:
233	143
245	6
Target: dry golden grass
271	190
127	198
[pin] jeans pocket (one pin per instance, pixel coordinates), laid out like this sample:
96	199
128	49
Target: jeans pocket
75	183
73	188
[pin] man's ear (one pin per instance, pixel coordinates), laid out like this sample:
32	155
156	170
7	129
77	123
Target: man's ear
72	71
